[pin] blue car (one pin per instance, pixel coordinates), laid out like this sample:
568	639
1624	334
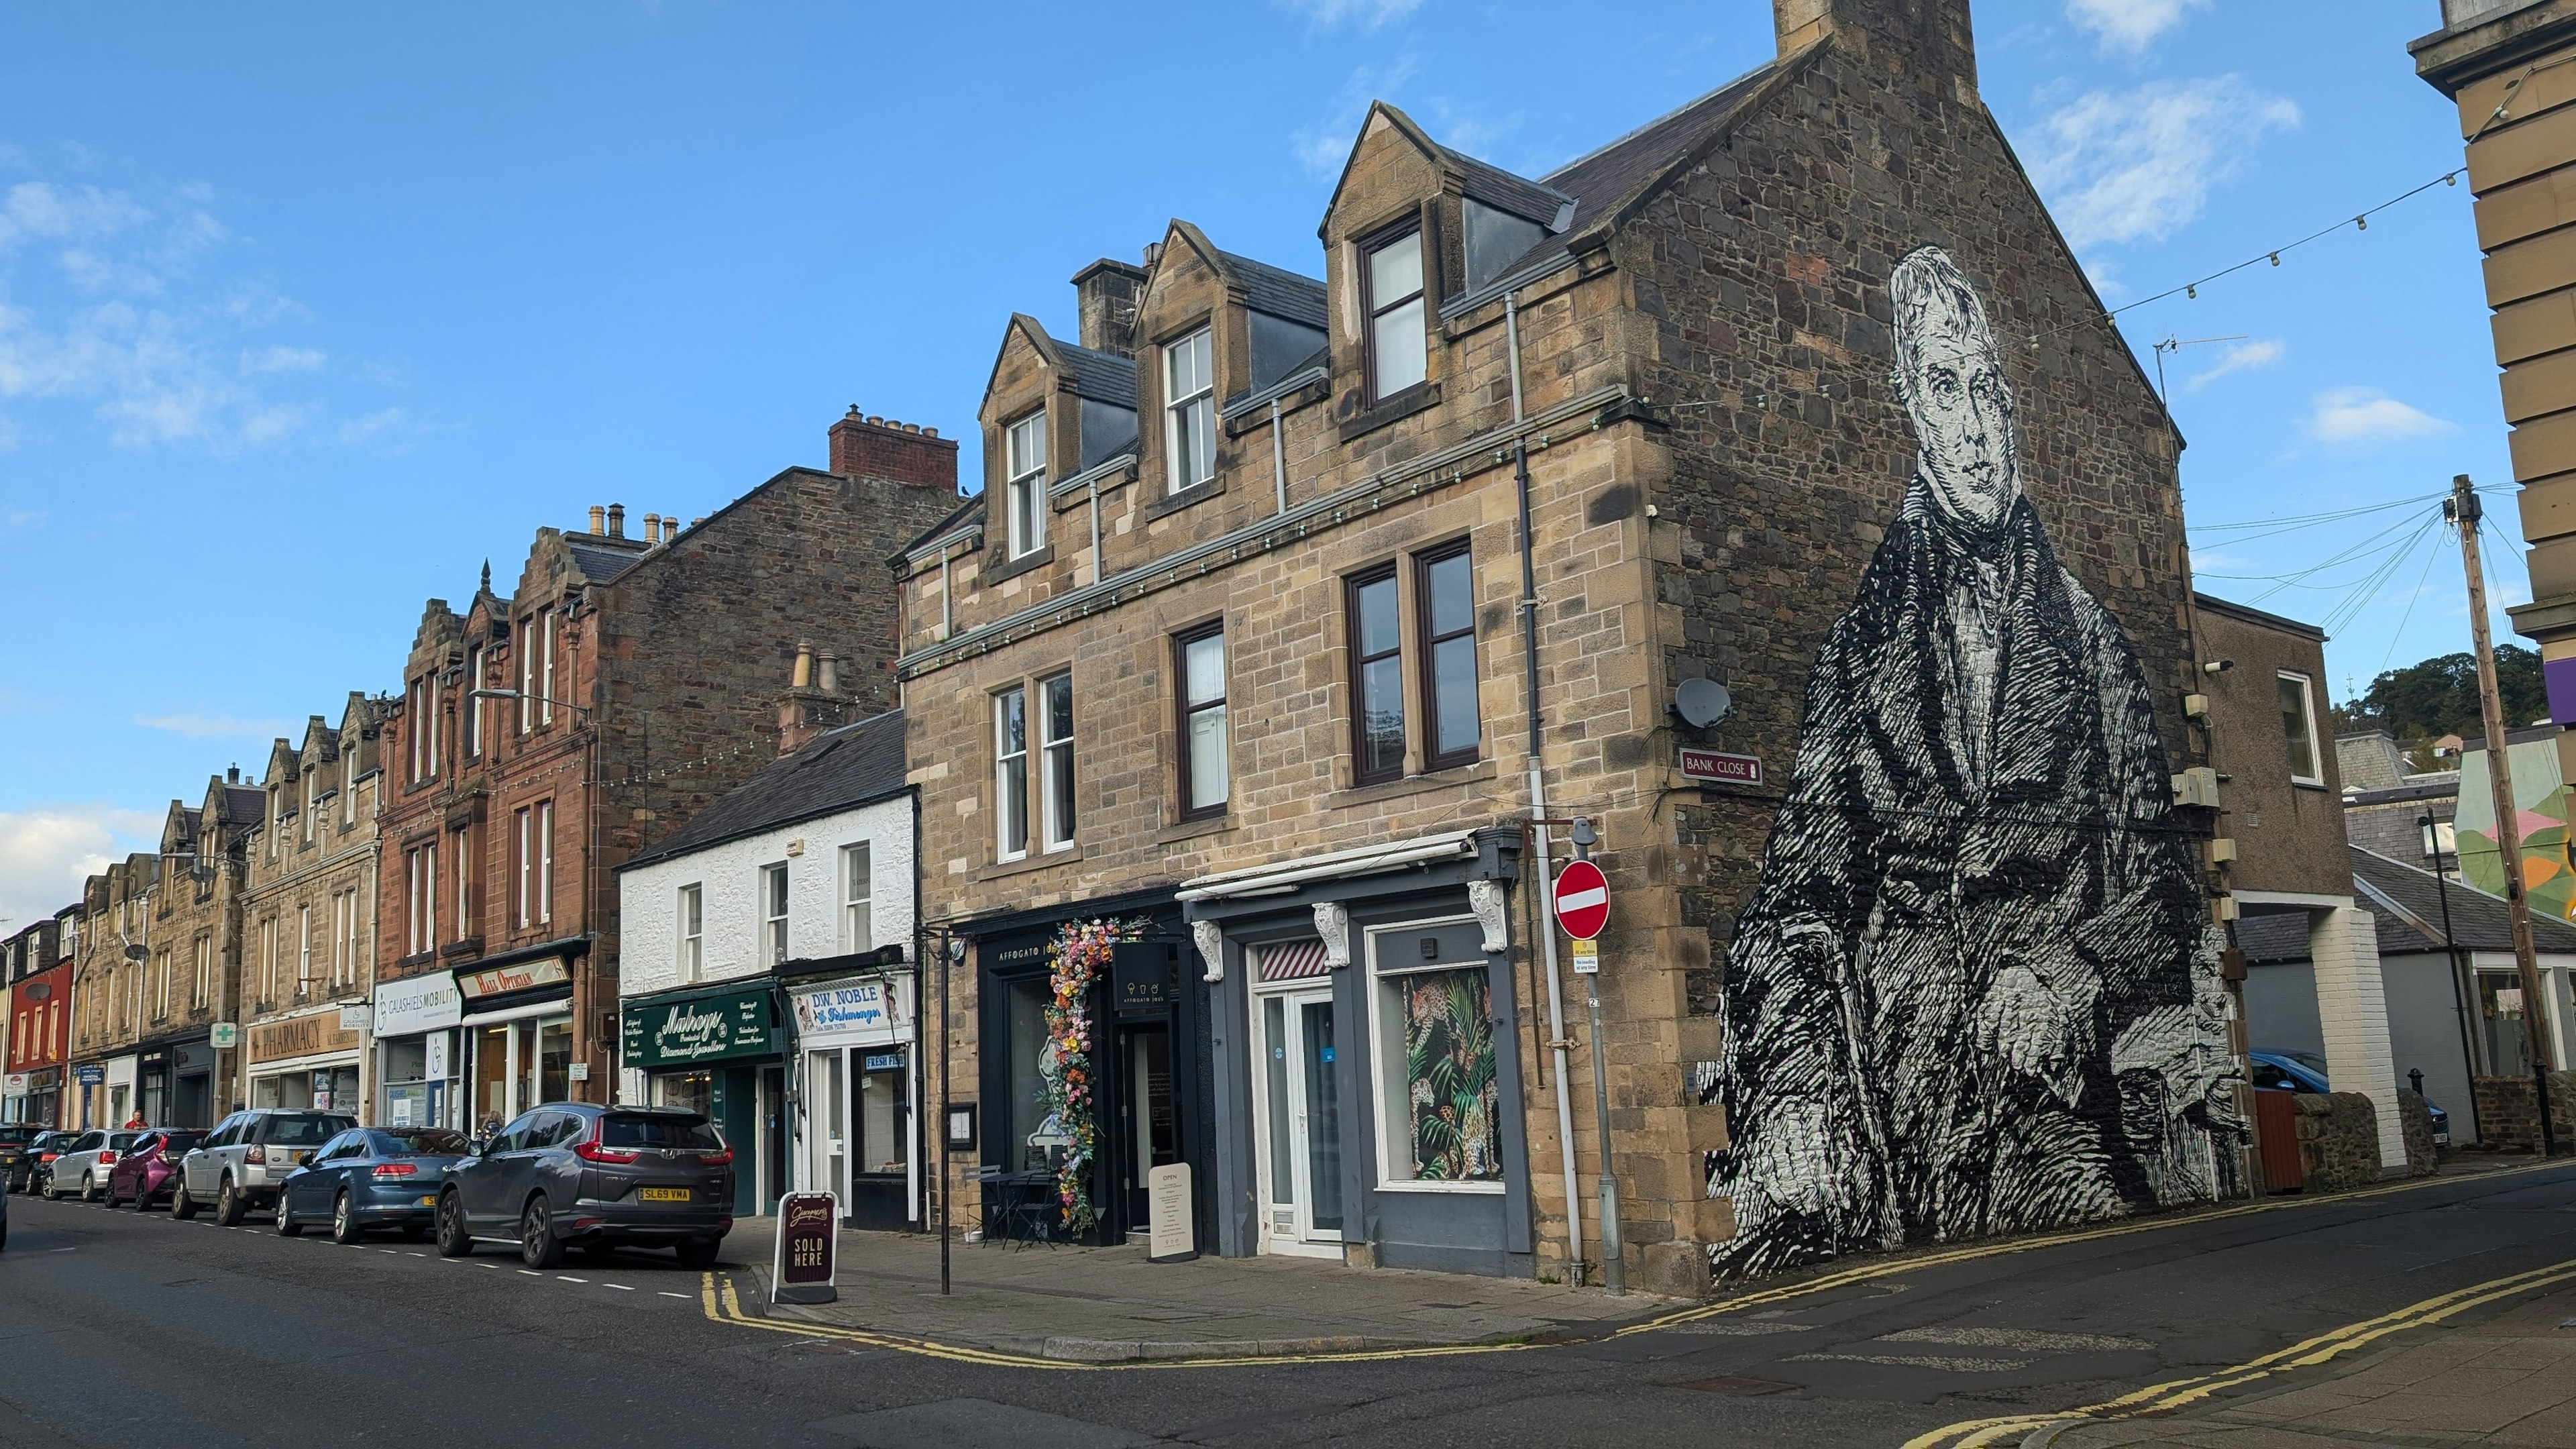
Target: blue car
2304	1072
371	1177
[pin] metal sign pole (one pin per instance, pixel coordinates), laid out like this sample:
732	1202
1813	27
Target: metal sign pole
1614	1272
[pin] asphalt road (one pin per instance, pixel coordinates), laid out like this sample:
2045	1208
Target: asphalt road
119	1328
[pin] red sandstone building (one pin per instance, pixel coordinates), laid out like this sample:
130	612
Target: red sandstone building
547	733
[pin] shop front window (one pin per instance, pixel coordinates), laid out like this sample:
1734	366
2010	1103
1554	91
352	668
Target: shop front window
695	1091
881	1110
1028	1147
1439	1106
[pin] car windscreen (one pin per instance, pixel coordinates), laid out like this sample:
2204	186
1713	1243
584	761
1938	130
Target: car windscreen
309	1129
175	1144
18	1136
668	1131
421	1142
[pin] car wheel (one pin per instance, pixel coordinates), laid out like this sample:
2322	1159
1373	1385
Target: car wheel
453	1241
108	1195
229	1206
700	1253
182	1206
344	1223
538	1245
287	1226
89	1187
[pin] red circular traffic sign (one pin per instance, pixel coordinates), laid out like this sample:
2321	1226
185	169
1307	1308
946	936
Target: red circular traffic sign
1582	899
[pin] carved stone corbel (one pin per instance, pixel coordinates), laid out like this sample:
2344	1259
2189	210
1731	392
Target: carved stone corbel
1485	898
1333	923
1210	939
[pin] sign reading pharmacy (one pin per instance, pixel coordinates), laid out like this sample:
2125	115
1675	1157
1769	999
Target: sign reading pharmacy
703	1028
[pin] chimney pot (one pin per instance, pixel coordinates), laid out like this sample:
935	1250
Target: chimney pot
598	520
930	432
694	522
829	680
617	520
803	678
652	530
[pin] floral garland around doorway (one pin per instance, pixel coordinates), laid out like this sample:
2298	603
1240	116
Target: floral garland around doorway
1078	956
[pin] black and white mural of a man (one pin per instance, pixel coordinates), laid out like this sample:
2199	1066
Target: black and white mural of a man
1976	990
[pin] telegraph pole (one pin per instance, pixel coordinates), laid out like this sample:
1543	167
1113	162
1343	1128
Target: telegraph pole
2462	509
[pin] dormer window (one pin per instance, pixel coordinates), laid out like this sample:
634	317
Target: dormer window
1398	350
1189	410
1025	483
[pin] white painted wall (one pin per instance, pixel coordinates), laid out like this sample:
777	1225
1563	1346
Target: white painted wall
648	897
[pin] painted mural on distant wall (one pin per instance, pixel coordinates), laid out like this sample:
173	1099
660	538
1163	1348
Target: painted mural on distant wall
2540	800
1976	990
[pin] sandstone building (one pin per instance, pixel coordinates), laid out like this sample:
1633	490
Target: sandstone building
1231	697
547	731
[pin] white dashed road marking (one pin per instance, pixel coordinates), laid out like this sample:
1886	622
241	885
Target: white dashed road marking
668	1294
561	1278
524	1273
620	1287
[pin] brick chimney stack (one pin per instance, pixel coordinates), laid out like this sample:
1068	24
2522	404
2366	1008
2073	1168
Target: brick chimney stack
1931	38
874	447
811	705
1109	292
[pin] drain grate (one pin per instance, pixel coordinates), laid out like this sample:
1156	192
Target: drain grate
1737	1384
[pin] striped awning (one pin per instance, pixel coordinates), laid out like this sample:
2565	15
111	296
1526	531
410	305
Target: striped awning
1293	960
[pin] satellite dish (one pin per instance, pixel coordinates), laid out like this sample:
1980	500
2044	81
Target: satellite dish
1701	702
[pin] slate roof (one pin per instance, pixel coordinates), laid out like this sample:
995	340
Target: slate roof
837	770
1278	291
1100	376
2406	902
244	805
602	563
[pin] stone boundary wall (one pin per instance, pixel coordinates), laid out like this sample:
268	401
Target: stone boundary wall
2509	1114
2338	1140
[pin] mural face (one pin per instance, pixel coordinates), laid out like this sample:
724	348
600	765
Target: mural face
1976	990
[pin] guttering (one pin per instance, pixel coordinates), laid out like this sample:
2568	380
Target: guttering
1507	284
1367	860
1251	403
972	535
1089	477
1365	497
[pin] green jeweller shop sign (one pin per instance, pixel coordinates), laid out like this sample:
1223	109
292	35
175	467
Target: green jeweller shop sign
700	1029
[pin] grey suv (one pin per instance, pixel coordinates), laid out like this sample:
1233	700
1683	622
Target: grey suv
600	1177
241	1163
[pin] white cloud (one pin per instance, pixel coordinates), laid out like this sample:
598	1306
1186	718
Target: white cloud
1323	147
215	727
102	306
366	429
2137	165
2257	352
2130	25
2204	560
1367	14
2367	415
46	851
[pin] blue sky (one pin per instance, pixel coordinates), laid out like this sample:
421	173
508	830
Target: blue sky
301	320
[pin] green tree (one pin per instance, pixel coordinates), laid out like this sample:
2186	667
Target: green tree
2439	696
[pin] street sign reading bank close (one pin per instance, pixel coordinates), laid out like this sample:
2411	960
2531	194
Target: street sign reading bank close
1582	900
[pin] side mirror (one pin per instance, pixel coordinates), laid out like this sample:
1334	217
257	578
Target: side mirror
477	1146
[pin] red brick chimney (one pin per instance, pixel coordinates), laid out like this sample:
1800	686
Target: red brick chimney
873	447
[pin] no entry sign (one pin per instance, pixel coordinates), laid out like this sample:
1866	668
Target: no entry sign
1582	900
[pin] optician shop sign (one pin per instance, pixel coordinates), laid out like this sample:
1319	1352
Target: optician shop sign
699	1029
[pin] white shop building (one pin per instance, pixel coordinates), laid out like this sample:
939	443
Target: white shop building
767	979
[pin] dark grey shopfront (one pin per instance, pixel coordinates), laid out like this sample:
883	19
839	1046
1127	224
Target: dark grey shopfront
1150	1061
1366	1077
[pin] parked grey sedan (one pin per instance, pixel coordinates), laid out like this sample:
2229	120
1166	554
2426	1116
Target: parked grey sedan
599	1177
371	1177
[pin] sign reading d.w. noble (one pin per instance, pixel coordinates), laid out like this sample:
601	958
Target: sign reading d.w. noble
700	1029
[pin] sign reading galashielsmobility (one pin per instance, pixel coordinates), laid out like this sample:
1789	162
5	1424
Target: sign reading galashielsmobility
704	1028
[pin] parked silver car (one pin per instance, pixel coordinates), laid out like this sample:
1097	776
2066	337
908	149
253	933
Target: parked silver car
83	1166
249	1154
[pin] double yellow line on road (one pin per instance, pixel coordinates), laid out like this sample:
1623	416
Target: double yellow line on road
2164	1398
722	1303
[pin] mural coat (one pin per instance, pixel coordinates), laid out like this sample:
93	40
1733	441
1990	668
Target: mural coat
1976	990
